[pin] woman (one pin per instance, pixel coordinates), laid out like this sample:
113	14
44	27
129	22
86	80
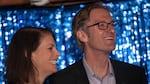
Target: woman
32	56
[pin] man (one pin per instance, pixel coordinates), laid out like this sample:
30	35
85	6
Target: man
94	31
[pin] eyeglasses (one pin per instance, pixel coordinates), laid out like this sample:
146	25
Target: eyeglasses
104	25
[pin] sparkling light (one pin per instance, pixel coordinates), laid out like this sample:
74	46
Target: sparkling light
133	33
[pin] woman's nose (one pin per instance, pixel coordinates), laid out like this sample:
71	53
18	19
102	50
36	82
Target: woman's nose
57	53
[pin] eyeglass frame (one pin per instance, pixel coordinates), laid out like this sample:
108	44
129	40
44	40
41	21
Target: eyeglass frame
105	25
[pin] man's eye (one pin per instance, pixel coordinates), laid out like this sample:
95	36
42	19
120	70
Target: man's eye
101	24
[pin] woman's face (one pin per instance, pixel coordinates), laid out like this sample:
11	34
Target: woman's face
45	56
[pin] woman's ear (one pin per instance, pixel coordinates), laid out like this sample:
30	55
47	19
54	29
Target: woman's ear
82	36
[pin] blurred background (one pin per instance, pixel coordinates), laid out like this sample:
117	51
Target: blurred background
133	30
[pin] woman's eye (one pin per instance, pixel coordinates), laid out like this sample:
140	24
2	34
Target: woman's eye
50	48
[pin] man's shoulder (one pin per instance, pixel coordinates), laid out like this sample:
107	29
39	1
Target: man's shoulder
71	69
125	65
129	72
69	74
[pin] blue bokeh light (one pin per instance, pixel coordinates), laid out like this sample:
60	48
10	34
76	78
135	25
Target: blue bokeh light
133	32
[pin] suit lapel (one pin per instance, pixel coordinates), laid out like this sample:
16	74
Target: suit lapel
81	75
117	72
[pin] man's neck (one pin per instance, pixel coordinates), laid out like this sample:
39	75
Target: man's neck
98	63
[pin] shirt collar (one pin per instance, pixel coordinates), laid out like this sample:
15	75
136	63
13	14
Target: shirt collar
89	71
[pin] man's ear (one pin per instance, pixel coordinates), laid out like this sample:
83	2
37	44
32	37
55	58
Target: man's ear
82	36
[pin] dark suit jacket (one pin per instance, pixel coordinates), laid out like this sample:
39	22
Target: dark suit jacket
76	74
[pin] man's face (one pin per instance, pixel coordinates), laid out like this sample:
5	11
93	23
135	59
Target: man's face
100	39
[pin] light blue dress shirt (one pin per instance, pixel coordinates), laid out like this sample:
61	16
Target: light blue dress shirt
93	79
